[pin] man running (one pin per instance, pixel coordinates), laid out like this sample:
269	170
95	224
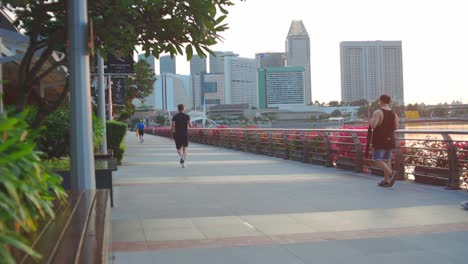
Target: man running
180	125
384	122
141	130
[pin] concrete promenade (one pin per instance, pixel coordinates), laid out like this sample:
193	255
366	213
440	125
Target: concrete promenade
231	207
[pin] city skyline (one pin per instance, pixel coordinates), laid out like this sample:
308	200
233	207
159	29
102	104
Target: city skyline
434	56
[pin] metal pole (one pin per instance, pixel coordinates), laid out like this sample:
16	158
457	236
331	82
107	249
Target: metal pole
82	158
102	103
109	93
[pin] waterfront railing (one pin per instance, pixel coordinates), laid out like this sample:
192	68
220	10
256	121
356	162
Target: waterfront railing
438	157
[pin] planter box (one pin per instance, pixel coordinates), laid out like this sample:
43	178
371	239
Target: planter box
432	176
103	173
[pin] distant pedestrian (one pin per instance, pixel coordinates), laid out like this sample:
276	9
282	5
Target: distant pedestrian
141	130
180	125
384	122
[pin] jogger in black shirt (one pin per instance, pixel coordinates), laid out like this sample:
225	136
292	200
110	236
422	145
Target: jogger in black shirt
180	125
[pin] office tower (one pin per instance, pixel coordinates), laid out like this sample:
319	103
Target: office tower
167	64
281	86
240	81
217	61
298	52
197	65
151	99
172	90
270	59
209	87
370	69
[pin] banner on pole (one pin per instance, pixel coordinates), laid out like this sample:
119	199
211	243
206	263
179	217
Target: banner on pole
118	91
119	65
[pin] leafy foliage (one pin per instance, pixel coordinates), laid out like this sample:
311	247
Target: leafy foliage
115	138
137	86
27	188
157	26
55	139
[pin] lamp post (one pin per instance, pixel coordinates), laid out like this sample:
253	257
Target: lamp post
82	157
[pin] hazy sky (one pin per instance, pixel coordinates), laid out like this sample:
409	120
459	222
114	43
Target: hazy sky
434	35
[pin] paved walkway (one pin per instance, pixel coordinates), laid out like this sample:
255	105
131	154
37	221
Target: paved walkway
234	207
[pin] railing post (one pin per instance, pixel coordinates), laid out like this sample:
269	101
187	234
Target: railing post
305	148
329	154
246	140
270	143
399	161
454	173
286	145
358	148
257	142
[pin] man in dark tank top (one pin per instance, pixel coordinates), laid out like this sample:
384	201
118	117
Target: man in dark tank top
384	122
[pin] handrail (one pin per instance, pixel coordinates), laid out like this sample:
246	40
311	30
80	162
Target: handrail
344	148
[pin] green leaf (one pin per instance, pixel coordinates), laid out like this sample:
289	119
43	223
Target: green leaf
189	51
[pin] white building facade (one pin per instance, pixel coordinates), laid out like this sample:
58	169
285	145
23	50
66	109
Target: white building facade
240	81
172	90
370	69
208	87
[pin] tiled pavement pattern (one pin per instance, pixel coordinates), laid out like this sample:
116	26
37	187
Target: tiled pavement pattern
234	207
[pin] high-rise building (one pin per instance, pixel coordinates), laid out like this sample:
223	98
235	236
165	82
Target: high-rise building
167	64
151	99
172	90
208	88
240	81
370	69
298	53
197	65
270	59
281	86
217	61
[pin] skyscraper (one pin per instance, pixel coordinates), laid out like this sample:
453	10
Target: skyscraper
217	61
281	86
370	69
240	81
298	52
167	64
197	65
172	90
270	59
209	87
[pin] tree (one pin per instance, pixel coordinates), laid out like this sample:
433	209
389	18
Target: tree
362	102
161	120
137	86
157	26
334	103
336	113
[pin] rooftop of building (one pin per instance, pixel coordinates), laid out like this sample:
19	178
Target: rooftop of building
297	28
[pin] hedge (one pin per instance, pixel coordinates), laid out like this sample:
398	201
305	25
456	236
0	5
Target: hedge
115	138
55	138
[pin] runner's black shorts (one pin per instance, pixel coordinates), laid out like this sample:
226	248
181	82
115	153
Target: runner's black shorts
141	132
181	142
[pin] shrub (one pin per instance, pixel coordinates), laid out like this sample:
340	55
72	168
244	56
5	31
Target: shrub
27	188
55	139
115	138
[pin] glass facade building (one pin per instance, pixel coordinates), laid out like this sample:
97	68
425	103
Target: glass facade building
167	64
281	86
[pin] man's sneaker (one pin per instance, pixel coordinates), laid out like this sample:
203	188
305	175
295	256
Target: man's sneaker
384	184
183	165
181	161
